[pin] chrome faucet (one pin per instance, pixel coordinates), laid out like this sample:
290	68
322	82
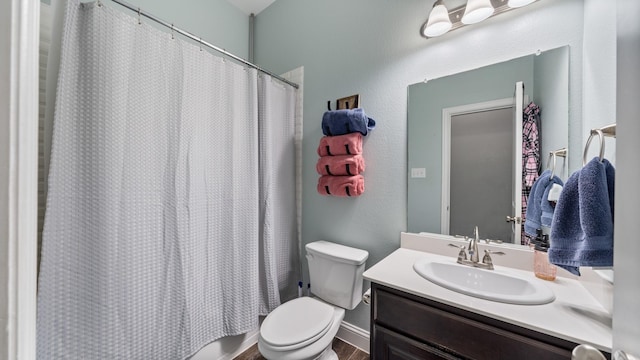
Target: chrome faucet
473	246
474	258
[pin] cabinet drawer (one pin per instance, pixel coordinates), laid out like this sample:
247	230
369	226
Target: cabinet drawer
393	346
456	334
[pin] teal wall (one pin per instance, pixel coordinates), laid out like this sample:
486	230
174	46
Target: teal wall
373	48
551	76
216	21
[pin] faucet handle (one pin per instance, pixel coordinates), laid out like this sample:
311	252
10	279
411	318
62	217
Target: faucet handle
462	255
487	257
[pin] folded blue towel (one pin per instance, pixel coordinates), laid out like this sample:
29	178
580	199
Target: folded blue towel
534	210
582	228
548	207
340	122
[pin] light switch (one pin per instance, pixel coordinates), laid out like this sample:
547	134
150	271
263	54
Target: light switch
418	173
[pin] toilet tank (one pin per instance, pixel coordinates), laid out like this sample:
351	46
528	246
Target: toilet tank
335	272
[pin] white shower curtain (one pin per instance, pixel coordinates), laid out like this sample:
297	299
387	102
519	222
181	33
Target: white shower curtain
168	221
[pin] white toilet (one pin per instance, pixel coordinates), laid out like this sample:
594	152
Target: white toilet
304	328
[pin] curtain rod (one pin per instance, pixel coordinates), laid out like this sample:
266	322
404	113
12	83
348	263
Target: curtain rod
200	41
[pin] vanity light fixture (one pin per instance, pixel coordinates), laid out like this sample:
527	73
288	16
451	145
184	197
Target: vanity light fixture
441	20
519	3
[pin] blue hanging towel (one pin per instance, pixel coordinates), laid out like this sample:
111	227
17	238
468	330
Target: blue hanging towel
582	228
534	204
340	122
547	207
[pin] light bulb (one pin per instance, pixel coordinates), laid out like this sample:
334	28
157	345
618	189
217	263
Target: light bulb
438	22
476	11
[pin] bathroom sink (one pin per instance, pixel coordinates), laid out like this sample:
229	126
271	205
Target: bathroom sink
495	285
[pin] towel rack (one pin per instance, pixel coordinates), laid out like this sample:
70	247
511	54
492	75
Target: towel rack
554	155
608	131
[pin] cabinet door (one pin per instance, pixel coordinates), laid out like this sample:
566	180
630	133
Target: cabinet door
470	338
393	346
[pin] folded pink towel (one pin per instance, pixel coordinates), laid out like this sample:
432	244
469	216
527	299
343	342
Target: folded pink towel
340	165
348	144
341	185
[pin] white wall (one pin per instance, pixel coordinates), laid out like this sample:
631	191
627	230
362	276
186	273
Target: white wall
626	317
373	47
599	87
5	46
18	176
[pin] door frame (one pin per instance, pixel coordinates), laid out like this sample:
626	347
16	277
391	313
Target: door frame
447	114
19	62
516	197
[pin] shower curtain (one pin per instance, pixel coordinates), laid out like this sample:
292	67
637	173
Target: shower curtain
170	218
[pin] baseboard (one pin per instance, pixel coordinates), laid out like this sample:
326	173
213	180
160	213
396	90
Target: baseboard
228	347
249	340
347	332
354	335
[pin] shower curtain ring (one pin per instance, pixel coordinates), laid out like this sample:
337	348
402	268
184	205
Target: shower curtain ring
139	19
200	44
172	32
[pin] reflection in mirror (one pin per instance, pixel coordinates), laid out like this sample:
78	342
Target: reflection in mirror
461	130
490	130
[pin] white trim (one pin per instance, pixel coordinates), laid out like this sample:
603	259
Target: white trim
354	335
445	198
250	340
18	188
227	348
447	114
516	176
297	76
347	332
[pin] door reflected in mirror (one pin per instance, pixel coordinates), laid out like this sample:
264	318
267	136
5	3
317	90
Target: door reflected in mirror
489	129
472	158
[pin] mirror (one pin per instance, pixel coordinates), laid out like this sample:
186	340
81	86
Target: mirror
434	106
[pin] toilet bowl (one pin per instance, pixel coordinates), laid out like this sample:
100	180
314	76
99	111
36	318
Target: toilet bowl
304	328
300	329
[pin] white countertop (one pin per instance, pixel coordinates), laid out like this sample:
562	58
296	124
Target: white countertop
575	315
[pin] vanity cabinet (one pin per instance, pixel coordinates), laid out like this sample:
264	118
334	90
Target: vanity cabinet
408	327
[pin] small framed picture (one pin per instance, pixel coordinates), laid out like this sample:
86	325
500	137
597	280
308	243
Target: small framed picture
349	102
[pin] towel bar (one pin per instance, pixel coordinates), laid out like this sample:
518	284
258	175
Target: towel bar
553	155
608	131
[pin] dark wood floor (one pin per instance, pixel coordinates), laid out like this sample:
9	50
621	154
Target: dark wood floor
345	352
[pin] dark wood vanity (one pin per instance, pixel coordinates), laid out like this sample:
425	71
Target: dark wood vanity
405	326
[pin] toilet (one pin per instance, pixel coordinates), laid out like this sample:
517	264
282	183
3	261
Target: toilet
304	328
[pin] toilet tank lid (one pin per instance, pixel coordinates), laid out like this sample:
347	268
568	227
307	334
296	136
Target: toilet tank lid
345	254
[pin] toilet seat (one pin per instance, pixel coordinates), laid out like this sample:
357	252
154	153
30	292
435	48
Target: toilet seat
297	323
